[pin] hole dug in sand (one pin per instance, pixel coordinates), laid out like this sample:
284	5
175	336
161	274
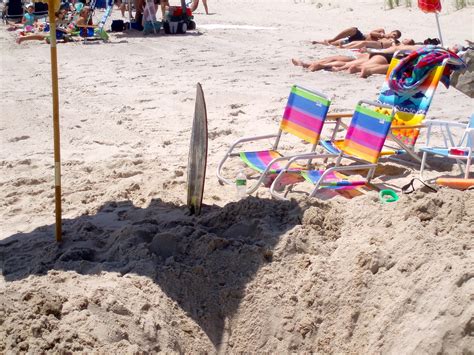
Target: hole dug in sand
253	276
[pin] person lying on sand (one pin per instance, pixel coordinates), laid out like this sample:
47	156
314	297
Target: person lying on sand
365	63
381	44
354	34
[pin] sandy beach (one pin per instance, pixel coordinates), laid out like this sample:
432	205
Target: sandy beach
136	273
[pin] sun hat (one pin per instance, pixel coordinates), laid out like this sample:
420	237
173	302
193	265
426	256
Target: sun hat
29	5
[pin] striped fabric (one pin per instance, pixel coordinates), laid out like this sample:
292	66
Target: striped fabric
334	147
366	134
411	106
411	110
334	180
260	160
303	117
304	114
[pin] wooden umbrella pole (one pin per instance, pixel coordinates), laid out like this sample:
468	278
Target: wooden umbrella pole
57	152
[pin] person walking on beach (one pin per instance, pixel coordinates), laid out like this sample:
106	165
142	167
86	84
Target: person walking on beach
354	34
195	5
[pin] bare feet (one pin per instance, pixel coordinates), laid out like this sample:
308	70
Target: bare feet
365	73
340	67
299	63
353	69
325	42
315	67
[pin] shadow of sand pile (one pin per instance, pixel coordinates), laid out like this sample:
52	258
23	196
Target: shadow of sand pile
253	276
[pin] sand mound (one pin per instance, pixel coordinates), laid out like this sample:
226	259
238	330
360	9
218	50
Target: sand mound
256	275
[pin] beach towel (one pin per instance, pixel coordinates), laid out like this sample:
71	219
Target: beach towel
412	71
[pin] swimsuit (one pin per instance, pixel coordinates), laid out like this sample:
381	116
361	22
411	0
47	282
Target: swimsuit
30	19
387	56
358	36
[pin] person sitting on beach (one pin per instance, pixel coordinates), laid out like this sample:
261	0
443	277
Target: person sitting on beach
29	18
28	21
60	31
354	34
84	22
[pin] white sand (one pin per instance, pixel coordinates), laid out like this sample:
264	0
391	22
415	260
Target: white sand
137	273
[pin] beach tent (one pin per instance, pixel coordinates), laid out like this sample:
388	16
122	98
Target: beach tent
53	6
433	6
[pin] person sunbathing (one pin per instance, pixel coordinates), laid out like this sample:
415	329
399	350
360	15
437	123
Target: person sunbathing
381	44
377	61
354	34
329	63
365	63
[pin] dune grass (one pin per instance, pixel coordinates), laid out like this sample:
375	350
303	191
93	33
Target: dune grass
458	4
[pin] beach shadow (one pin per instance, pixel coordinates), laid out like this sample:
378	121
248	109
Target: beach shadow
139	34
203	263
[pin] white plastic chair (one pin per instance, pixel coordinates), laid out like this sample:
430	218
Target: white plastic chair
461	151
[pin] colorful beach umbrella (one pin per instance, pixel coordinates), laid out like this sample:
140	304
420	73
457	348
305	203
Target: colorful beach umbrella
53	6
432	6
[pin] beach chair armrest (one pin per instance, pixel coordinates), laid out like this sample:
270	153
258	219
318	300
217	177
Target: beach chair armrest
444	123
416	126
447	129
254	138
336	116
250	139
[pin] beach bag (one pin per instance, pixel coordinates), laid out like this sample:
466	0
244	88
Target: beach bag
151	27
117	26
136	26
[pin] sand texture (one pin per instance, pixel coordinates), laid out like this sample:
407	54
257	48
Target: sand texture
137	274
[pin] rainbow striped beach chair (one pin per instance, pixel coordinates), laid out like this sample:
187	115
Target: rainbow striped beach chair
303	117
411	108
365	137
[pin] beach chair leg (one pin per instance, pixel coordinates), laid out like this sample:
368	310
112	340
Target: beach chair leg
467	165
274	186
422	165
405	147
223	180
370	174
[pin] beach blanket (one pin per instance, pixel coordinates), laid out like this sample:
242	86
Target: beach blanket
412	71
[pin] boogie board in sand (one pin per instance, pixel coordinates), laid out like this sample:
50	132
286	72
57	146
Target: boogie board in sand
197	157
